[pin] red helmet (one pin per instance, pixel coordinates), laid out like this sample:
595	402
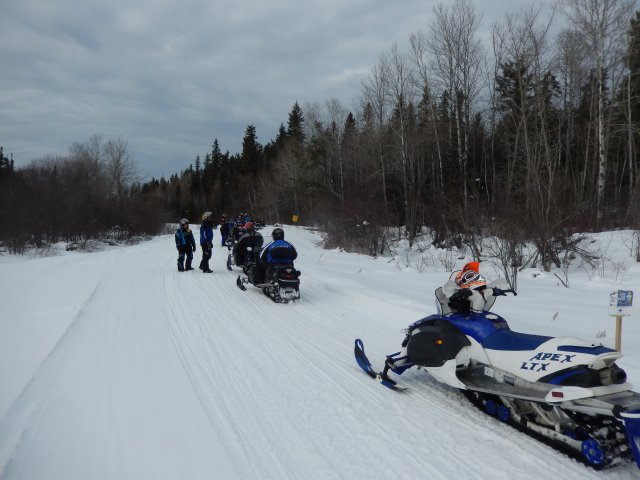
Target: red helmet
249	226
469	276
472	280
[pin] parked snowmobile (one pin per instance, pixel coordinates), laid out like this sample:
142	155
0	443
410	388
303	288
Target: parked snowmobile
273	270
281	283
563	389
245	246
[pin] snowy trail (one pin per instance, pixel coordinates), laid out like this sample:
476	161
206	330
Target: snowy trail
148	373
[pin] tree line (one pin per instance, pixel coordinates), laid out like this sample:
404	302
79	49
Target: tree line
531	137
83	195
537	140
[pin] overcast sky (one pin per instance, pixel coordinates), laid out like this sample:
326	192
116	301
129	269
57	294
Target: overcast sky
170	76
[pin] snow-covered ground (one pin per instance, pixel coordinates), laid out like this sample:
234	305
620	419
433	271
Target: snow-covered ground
115	366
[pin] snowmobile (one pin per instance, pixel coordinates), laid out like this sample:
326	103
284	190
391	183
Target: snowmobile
565	391
242	248
281	283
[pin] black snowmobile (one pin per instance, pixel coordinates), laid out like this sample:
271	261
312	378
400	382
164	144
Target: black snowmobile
281	283
244	246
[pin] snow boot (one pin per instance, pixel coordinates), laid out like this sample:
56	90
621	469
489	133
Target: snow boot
188	266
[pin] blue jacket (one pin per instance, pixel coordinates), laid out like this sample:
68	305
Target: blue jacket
279	251
184	238
206	232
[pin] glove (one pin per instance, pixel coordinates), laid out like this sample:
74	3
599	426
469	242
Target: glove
498	292
459	301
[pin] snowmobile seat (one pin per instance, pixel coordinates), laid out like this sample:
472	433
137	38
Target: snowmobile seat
478	325
510	340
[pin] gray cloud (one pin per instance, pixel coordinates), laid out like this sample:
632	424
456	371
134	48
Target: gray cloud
171	76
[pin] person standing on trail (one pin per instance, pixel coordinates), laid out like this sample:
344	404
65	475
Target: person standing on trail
186	245
225	229
206	241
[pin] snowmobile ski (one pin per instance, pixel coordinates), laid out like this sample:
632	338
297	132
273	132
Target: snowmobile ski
362	359
365	365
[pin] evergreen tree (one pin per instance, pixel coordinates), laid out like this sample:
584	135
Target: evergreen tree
6	165
295	125
281	137
251	157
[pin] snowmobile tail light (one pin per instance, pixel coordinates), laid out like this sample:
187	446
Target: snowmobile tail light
439	341
557	394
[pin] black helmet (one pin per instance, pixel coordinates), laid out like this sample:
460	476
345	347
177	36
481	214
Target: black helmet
277	234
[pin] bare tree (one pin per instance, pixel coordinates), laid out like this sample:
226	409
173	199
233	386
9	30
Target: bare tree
400	86
570	63
457	61
603	24
120	167
376	95
418	51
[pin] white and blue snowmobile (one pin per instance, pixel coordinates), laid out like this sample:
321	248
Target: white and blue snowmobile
565	391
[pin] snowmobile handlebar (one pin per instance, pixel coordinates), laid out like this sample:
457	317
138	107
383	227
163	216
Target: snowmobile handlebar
499	292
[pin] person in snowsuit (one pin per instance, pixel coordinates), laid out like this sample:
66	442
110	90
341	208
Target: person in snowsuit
206	241
469	291
251	238
275	254
465	292
225	229
186	245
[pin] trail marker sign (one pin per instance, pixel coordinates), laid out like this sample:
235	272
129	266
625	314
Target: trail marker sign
620	303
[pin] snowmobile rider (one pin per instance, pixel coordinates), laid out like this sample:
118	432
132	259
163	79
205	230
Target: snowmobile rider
469	291
186	245
250	239
206	241
278	252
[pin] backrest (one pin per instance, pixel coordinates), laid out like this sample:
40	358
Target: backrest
280	251
252	240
